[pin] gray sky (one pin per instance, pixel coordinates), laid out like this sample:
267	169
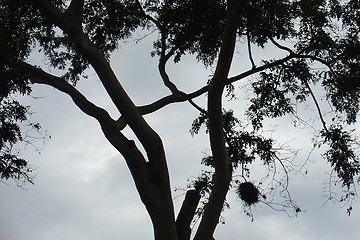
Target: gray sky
83	190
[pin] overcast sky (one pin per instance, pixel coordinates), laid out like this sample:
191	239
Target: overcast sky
83	189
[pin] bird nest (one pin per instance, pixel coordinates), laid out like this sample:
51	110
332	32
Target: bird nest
248	193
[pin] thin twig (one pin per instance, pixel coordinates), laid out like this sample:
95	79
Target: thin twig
249	51
317	106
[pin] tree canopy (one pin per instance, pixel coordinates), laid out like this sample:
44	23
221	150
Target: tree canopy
319	41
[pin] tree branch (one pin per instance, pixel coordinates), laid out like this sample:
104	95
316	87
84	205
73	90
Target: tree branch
317	106
296	55
200	109
148	16
250	52
186	214
152	107
162	64
281	46
320	60
37	75
260	68
164	57
75	11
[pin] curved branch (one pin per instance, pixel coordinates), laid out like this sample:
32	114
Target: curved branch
149	139
37	75
163	102
152	107
164	57
162	64
320	60
281	46
108	125
291	52
200	109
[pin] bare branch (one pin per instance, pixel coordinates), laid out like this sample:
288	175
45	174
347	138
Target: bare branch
146	109
200	109
152	107
281	46
317	106
250	52
37	75
162	64
164	57
260	68
133	157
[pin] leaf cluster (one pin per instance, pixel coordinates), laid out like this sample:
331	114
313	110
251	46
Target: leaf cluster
243	146
107	22
11	113
278	89
341	154
15	168
188	26
11	166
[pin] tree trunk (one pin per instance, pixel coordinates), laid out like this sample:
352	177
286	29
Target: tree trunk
217	138
186	214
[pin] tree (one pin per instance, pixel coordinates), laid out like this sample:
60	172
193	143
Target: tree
320	39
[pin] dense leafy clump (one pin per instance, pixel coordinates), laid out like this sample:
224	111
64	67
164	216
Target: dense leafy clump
248	193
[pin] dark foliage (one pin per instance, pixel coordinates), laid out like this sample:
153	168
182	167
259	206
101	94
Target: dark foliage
320	39
190	27
341	154
278	89
11	166
248	193
14	168
243	146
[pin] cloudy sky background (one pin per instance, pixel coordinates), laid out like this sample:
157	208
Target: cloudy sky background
83	189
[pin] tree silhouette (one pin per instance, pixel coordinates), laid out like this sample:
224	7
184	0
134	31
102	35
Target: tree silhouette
320	42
